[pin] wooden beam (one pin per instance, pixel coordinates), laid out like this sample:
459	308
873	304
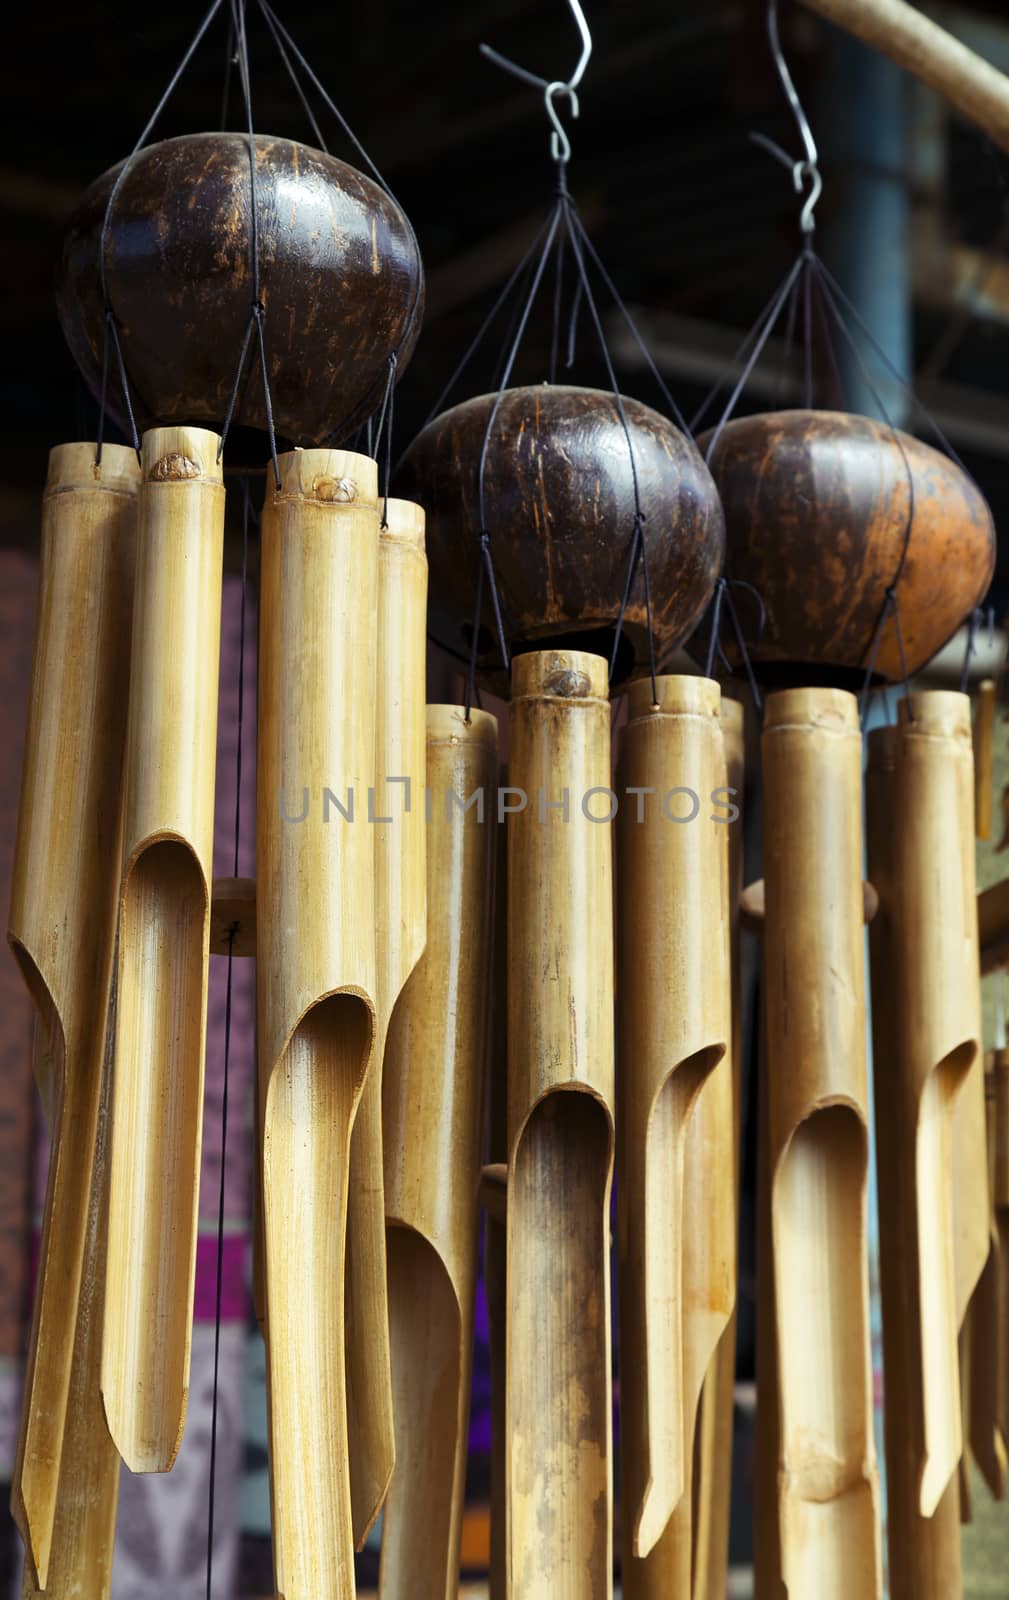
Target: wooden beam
970	83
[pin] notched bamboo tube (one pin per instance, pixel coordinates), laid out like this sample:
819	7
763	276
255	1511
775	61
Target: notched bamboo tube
1000	1187
87	1499
164	946
984	1420
62	915
315	983
399	833
436	1063
938	1021
925	1560
713	1469
675	1105
495	1248
828	1497
559	1474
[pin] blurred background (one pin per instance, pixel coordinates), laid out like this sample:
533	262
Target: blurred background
697	226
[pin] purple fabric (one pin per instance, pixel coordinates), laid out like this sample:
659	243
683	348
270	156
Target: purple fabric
234	1278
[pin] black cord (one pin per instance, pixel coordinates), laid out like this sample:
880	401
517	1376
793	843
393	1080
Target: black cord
110	322
219	1295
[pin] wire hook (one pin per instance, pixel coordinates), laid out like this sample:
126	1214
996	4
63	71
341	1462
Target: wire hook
809	167
560	144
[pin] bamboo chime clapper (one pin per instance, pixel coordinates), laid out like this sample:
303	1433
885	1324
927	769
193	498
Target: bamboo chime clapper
62	929
316	1003
677	1216
559	1476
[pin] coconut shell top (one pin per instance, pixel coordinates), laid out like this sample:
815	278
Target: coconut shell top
559	498
340	280
816	511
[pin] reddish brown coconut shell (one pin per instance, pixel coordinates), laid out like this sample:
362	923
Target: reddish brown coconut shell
559	498
816	510
340	278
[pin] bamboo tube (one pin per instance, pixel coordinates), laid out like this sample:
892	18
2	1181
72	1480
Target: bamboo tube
766	1525
559	1472
972	85
924	1551
164	946
495	1227
961	1487
399	832
984	772
62	914
84	1526
1000	1187
818	1131
675	1114
981	1409
315	888
436	1062
713	1495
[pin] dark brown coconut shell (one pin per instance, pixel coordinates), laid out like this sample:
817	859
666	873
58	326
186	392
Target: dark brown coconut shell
559	498
340	278
816	510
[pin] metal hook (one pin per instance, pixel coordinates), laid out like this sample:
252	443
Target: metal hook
560	144
800	172
808	168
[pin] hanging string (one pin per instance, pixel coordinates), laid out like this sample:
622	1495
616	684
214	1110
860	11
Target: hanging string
561	234
622	310
257	313
558	305
306	105
383	432
229	61
979	615
723	597
296	67
485	566
288	49
490	318
112	335
110	327
756	351
891	604
639	547
232	931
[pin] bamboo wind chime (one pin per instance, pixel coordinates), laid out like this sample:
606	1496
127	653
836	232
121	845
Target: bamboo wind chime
113	906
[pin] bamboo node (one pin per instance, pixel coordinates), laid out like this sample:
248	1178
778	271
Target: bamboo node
341	491
568	684
174	467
